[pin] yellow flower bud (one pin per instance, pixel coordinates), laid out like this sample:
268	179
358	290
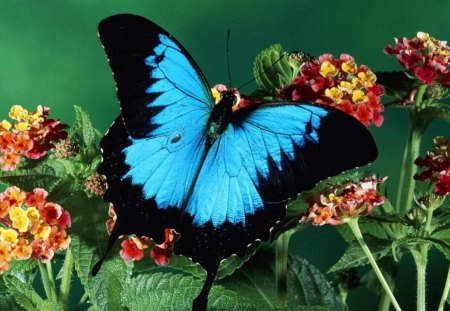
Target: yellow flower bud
349	66
33	214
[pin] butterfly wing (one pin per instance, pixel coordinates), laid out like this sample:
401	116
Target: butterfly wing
153	151
267	155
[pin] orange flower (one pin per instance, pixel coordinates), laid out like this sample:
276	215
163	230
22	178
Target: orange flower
22	250
4	207
5	251
37	198
4	266
51	212
9	161
22	143
15	196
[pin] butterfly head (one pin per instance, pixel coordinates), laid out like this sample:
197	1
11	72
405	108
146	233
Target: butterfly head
222	94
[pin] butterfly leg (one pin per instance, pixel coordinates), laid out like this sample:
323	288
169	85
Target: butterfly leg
201	302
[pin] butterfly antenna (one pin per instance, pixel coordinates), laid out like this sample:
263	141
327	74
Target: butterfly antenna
259	74
228	57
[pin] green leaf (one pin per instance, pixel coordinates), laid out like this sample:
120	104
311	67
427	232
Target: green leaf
306	285
396	84
7	301
46	174
88	232
106	288
272	69
48	305
227	266
355	257
436	110
175	291
22	292
82	128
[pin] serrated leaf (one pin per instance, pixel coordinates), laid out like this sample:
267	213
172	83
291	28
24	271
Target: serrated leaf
355	257
176	292
7	301
106	288
272	70
436	110
227	266
83	128
45	175
306	285
396	84
22	292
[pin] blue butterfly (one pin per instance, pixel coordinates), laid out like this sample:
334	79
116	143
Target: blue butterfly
176	159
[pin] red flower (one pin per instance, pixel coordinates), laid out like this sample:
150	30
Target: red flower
130	251
425	57
437	166
341	84
162	252
442	185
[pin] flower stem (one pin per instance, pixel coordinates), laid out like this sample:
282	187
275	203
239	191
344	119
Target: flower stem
281	260
445	292
45	280
65	280
415	140
402	171
82	301
353	223
51	280
420	255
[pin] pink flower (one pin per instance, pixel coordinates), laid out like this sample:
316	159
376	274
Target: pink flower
337	204
424	56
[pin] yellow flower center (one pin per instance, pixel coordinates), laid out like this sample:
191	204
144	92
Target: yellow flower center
359	96
327	68
335	94
349	66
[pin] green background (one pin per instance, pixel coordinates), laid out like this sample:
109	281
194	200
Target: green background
50	55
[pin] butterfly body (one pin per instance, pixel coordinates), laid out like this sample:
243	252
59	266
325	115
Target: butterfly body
176	159
220	116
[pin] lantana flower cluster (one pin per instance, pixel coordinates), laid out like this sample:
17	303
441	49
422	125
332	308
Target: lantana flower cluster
31	135
436	166
423	56
338	204
339	83
30	226
134	246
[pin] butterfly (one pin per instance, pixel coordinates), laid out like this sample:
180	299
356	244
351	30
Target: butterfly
174	158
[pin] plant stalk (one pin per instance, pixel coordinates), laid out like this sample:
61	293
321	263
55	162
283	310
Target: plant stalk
281	261
353	223
45	281
66	279
445	292
82	301
420	255
51	280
